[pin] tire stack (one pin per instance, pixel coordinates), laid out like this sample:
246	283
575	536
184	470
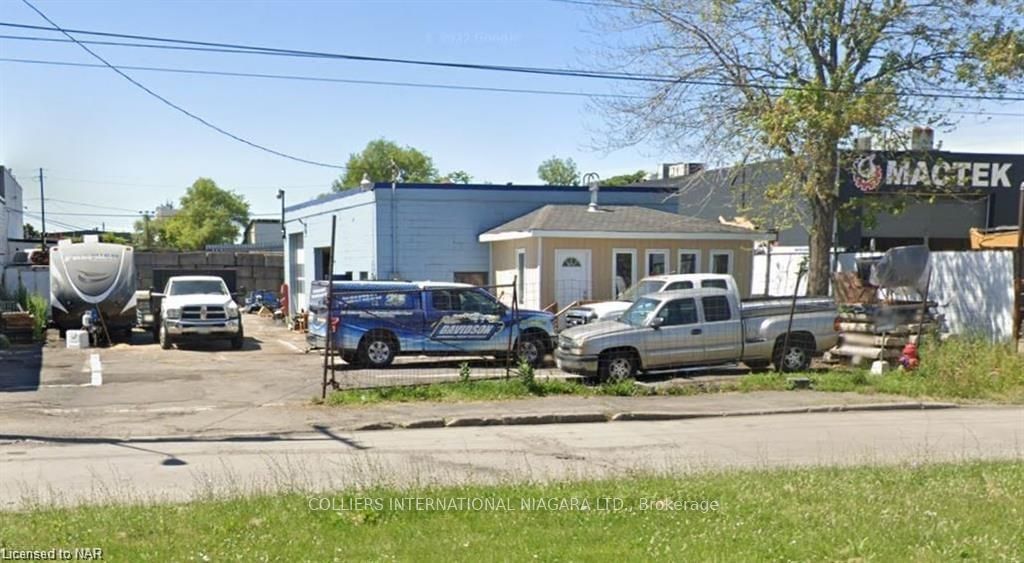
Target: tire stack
879	331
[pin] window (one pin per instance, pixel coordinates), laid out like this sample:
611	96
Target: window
716	308
623	270
721	261
571	262
689	262
679	312
521	274
472	278
657	262
720	284
321	262
364	276
678	285
466	300
637	313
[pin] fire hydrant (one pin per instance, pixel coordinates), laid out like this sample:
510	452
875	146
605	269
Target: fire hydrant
909	359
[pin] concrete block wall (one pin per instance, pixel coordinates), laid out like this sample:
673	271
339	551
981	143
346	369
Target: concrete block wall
254	270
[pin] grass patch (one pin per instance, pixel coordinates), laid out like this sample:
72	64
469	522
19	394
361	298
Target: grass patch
957	369
479	390
928	513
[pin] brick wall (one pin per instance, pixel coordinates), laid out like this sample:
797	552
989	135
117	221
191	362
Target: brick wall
253	270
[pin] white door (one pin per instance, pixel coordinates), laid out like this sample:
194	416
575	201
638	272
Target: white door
572	276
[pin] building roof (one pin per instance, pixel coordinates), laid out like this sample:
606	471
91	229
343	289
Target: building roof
615	221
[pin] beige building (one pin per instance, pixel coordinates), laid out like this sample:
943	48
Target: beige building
558	254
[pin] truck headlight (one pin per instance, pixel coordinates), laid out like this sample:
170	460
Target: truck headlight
173	313
232	310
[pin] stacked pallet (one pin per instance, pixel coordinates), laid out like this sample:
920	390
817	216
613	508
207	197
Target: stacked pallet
879	331
17	325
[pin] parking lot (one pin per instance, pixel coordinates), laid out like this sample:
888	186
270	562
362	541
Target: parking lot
194	387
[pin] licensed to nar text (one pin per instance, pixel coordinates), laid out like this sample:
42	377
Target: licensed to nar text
52	554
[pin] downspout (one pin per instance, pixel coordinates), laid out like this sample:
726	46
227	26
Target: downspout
394	232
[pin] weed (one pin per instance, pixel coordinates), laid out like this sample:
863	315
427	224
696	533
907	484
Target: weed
464	372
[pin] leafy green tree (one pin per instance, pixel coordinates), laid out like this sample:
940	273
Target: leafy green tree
625	179
384	161
558	172
456	177
30	232
798	80
208	215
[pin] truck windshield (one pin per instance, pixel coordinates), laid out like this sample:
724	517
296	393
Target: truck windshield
642	288
637	314
193	287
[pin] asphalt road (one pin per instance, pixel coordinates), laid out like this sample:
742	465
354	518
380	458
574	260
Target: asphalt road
99	470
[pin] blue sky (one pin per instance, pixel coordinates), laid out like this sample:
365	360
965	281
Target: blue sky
103	141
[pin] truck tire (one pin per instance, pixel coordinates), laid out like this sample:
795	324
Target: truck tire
530	349
164	338
377	350
351	358
796	357
239	340
617	366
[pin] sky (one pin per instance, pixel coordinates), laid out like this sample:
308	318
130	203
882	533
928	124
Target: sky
101	141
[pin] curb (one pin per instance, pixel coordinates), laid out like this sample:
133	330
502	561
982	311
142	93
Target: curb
595	417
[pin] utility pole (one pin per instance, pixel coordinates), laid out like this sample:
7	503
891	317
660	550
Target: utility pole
280	196
42	209
1018	280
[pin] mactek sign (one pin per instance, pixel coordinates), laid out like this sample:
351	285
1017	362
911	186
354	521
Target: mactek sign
989	182
872	171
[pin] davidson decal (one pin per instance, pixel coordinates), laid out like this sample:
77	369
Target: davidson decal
466	326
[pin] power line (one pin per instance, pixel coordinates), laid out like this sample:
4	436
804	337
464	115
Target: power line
426	85
574	73
81	203
175	106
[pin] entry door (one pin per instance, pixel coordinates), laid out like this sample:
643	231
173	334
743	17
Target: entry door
572	276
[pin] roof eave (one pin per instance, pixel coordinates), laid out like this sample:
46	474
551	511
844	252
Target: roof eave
515	235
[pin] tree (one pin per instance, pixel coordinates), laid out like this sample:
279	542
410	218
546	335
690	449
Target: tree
558	172
798	80
384	161
625	179
29	232
456	177
208	215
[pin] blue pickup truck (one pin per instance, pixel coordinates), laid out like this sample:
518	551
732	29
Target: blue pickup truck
375	321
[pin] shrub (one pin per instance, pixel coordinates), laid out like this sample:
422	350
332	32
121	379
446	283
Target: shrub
464	372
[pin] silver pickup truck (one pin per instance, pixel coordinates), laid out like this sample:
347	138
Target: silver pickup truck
698	327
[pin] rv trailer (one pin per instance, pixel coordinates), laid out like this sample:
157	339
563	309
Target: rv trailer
92	275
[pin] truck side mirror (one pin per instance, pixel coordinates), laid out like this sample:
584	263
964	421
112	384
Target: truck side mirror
656	323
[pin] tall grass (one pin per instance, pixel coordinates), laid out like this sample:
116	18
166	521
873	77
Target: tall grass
963	368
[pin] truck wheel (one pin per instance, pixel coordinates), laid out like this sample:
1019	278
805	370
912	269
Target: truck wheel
529	349
377	351
794	358
165	339
616	366
351	358
239	340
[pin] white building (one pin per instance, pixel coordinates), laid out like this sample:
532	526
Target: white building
12	217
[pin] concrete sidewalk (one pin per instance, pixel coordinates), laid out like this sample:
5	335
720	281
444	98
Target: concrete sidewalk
199	421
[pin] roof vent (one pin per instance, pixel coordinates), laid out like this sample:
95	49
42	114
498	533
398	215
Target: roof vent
595	187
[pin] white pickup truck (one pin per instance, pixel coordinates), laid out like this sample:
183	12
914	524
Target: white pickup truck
198	308
699	327
610	310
